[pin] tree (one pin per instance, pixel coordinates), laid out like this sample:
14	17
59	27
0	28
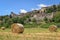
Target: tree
49	10
57	17
54	8
58	7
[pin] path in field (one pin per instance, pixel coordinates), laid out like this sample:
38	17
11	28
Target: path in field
31	36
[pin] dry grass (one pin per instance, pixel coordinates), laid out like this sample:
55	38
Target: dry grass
30	34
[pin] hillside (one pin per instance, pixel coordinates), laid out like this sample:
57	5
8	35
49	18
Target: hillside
46	15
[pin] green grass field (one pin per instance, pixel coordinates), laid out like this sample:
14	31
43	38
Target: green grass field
30	34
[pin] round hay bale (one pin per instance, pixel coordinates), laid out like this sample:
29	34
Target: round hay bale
53	28
3	28
17	28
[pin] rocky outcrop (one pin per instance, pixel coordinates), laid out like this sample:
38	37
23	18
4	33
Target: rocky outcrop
13	15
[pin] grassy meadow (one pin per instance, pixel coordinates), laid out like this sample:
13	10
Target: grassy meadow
30	34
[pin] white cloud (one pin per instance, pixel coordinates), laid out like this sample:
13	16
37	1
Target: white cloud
34	8
23	11
39	6
42	5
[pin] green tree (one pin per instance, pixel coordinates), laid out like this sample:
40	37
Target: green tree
49	10
57	17
54	8
58	7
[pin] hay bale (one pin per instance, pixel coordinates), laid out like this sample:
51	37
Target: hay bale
17	28
52	28
2	28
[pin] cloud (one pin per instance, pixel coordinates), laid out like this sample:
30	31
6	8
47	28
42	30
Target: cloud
23	11
39	6
34	8
42	5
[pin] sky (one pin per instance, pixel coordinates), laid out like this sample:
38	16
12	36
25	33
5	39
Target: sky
23	6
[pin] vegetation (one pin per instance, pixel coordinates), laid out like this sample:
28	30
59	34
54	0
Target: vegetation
7	20
33	30
57	17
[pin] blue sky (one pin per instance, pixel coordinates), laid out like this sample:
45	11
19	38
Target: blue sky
6	6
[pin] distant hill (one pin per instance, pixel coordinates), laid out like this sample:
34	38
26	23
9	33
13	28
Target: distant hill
47	14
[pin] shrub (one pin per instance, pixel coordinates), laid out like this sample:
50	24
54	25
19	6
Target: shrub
56	17
58	25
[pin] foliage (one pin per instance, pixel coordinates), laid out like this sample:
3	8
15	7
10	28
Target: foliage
7	20
49	10
58	25
57	17
33	20
54	8
33	25
58	7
